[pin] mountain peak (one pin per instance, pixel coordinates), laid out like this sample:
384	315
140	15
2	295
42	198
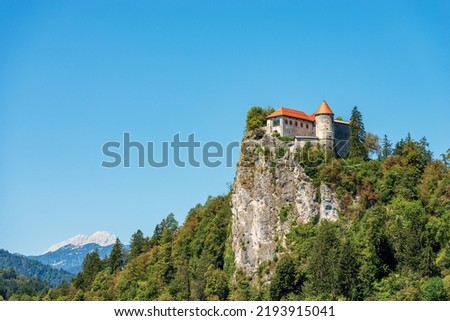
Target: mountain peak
102	238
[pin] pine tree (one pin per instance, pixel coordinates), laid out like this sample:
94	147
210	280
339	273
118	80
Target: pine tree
166	228
358	148
347	268
408	138
322	263
398	150
137	244
92	264
284	280
386	148
116	258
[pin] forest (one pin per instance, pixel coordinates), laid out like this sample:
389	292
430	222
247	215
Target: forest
391	241
33	269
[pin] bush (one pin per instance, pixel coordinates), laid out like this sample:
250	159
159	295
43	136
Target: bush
285	279
256	117
283	214
433	290
285	139
280	152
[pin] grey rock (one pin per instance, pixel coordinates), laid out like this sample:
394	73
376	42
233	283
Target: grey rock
271	195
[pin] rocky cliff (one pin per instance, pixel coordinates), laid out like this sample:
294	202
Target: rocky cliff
272	193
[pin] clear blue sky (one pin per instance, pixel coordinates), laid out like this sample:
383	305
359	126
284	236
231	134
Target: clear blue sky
75	74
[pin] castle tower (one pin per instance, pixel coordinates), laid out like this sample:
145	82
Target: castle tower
325	125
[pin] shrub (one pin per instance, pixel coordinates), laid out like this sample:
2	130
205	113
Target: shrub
256	117
433	290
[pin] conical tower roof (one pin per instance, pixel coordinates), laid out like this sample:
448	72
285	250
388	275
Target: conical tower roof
324	109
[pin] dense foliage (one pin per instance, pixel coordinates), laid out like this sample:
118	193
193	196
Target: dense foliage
391	241
186	263
256	118
33	269
17	287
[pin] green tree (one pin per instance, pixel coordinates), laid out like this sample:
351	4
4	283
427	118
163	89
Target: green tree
399	179
61	293
433	290
137	244
323	283
240	288
386	148
284	280
358	148
216	284
208	244
164	230
398	287
257	117
401	143
92	264
406	228
180	286
310	158
116	258
16	287
417	154
433	187
347	270
102	287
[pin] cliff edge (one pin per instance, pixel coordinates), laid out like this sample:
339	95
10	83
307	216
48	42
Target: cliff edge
271	194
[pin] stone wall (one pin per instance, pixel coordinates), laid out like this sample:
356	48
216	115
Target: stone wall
291	127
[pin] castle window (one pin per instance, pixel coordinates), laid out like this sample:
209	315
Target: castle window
276	122
285	121
296	124
290	122
307	126
301	125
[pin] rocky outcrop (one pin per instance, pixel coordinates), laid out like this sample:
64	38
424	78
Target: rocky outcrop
271	193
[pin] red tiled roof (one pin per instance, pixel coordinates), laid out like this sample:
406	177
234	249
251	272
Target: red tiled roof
283	111
324	109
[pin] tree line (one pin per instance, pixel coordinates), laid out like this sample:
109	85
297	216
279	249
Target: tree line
391	241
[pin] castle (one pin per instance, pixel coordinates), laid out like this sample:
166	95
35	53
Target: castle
317	128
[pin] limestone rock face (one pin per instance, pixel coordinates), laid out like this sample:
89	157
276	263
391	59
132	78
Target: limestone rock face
271	193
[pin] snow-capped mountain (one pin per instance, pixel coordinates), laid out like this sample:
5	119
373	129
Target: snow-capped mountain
69	255
101	238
